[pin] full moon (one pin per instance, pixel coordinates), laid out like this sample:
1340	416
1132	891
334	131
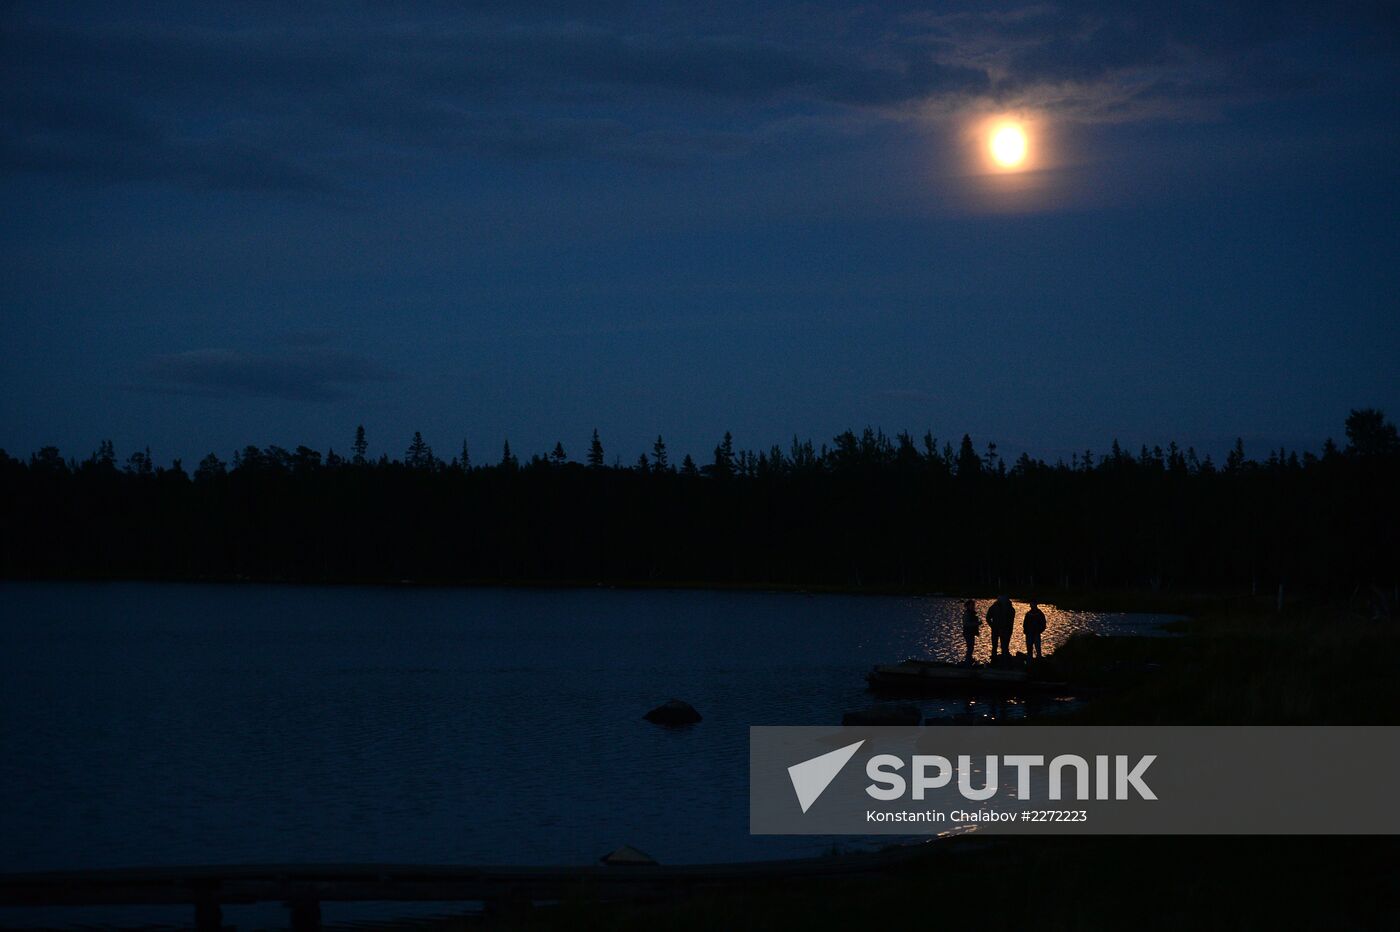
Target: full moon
1008	146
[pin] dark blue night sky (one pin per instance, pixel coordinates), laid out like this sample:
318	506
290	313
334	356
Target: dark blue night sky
265	223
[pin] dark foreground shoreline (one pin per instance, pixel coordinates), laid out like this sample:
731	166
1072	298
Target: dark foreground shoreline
965	881
1075	599
1048	883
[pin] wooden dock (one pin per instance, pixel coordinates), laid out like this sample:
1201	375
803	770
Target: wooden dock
303	887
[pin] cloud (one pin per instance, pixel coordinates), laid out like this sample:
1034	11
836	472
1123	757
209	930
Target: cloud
906	394
289	106
287	102
1101	61
306	371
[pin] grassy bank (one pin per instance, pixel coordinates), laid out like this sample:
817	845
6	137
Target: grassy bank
1244	664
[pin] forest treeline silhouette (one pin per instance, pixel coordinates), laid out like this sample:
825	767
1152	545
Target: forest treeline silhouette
867	510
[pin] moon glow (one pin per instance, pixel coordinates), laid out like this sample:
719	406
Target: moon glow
1008	146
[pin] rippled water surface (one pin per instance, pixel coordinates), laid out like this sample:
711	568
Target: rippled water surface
175	724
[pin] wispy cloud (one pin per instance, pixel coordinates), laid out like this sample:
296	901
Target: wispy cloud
906	394
1100	61
290	103
304	372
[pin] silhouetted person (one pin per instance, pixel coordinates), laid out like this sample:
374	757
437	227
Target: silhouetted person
1033	625
970	626
1001	618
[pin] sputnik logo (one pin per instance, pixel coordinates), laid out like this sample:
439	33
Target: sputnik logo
811	777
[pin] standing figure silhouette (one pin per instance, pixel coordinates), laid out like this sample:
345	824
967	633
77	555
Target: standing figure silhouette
1001	618
1033	625
971	624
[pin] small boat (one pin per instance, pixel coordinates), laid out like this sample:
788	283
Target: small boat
933	677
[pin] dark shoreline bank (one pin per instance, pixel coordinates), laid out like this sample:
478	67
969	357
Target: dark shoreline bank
1087	599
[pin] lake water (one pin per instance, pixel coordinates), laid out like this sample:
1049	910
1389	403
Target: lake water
149	724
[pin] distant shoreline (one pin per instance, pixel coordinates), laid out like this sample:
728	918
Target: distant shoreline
1104	600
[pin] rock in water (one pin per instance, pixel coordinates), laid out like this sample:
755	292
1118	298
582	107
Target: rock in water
627	856
892	714
673	712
